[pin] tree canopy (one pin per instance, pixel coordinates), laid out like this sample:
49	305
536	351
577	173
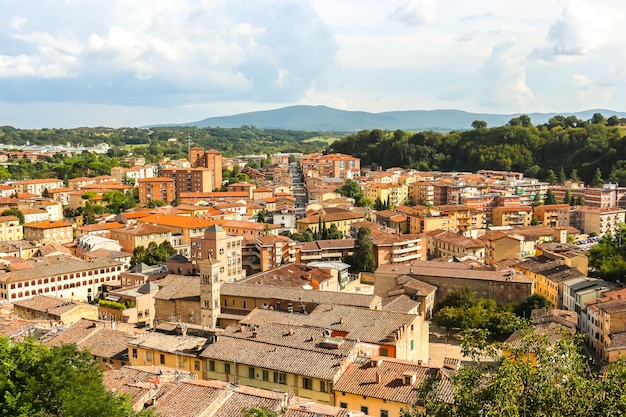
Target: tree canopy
534	377
39	381
561	145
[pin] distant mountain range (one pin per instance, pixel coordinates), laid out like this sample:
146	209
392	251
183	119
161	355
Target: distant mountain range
323	118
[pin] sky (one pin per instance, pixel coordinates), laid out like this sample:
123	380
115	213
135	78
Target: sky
117	63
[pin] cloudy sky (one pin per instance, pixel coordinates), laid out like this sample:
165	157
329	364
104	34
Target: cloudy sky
68	63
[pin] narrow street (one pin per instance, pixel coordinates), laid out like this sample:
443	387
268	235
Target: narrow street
299	189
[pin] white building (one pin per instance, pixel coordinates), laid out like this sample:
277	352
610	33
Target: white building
61	277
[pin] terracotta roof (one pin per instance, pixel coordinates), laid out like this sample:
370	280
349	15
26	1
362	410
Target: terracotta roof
102	341
140	229
299	350
177	221
459	240
290	275
178	286
387	380
52	305
295	294
48	224
366	325
452	270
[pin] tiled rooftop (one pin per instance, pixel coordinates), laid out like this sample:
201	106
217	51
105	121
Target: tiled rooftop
386	381
371	326
282	348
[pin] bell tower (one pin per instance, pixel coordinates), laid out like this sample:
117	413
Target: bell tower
210	284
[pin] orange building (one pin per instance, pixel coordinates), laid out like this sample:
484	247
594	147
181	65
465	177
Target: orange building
211	159
160	188
190	180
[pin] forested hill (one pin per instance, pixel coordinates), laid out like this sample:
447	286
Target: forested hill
565	145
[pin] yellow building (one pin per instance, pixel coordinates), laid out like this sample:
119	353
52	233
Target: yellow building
174	351
10	228
548	276
548	215
142	234
396	194
49	232
383	387
512	216
298	360
500	246
342	219
60	310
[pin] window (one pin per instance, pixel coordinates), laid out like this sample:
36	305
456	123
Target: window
196	365
181	362
412	344
383	352
384	413
323	386
227	368
149	356
307	383
343	405
266	375
364	409
212	366
162	359
135	353
251	372
280	378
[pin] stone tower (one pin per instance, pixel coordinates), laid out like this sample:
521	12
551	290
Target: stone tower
210	284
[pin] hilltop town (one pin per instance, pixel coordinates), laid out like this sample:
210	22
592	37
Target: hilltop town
304	283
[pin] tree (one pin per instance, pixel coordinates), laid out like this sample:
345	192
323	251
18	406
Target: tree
613	121
597	178
580	200
14	212
153	254
479	124
36	380
556	382
155	203
350	189
550	198
568	199
597	118
551	177
561	176
574	175
362	259
334	232
45	193
261	216
463	310
533	302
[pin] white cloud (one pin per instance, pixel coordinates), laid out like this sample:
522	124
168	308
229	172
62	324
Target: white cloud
581	29
504	79
415	12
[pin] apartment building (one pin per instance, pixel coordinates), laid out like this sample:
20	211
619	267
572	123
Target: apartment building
266	252
160	188
601	221
209	159
140	234
332	165
395	194
191	180
37	187
512	216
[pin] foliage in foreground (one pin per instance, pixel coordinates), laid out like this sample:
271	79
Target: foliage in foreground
36	380
556	382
